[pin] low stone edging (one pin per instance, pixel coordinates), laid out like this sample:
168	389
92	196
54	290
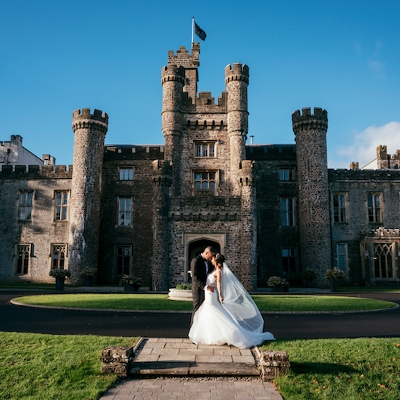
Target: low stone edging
272	363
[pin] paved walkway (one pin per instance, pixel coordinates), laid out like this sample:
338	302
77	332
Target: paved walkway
177	369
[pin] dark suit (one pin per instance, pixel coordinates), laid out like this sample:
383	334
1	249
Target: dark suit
199	277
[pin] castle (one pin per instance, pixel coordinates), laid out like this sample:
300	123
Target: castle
147	210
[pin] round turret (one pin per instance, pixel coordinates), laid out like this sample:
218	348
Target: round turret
237	80
172	79
84	215
312	173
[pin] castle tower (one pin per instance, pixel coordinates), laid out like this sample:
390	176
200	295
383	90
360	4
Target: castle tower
237	81
248	229
173	79
84	215
382	158
312	171
162	235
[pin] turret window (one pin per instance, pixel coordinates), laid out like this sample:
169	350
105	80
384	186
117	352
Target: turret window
204	181
205	149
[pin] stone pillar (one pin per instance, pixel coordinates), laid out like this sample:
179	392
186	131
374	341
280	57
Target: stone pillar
312	171
382	158
248	254
173	79
237	81
162	240
84	214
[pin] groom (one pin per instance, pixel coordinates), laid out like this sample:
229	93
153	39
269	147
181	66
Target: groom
200	267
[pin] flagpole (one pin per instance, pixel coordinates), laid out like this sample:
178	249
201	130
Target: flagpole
192	32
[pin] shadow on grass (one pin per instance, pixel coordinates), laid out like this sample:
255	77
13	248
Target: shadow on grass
320	368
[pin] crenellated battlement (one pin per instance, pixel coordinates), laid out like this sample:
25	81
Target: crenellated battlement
237	72
36	172
219	125
266	152
83	119
184	58
363	175
172	73
308	121
133	152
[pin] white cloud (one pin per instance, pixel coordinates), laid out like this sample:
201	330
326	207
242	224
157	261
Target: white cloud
364	144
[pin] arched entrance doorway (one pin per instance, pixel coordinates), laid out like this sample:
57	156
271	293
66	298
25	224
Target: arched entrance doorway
196	243
195	248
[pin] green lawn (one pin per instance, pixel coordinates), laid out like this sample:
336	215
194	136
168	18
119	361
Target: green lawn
342	369
51	367
120	301
38	367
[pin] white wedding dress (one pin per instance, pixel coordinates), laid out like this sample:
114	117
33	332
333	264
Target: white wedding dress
237	321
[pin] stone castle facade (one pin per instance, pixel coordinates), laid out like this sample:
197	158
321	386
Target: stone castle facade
147	210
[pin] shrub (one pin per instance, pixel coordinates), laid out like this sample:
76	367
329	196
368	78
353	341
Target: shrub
184	286
88	272
131	279
276	281
59	273
335	273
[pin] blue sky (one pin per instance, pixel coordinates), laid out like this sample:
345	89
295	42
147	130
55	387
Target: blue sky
344	56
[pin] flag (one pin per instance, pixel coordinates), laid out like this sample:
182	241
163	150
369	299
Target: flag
199	32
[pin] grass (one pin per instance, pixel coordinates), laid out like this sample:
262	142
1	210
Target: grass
37	366
293	303
349	369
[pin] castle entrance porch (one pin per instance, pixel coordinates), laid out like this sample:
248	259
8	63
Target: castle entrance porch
195	243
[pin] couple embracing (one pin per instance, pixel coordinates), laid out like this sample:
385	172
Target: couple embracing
223	311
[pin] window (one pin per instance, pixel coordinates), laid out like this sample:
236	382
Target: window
287	211
342	258
61	206
58	256
205	149
339	207
124	211
123	260
25	206
286	175
374	208
126	174
288	262
383	260
204	181
23	257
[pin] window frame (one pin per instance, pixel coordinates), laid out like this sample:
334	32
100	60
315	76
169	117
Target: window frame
287	212
64	207
118	257
339	218
372	208
25	206
122	213
290	174
202	180
26	250
293	257
62	259
344	256
126	174
209	145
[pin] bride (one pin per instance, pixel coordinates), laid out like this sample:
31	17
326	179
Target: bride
228	315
